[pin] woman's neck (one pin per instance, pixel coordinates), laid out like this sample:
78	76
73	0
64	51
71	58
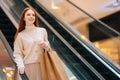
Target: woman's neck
30	26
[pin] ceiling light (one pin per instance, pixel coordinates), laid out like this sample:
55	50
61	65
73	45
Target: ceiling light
53	5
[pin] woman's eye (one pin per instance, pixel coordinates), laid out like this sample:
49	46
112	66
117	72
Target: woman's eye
33	14
28	14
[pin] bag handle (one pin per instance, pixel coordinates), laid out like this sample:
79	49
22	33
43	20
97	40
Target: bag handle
24	76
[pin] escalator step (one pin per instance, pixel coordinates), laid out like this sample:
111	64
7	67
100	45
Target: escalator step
82	69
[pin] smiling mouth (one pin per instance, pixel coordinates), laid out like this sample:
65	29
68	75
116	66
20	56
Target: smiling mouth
31	19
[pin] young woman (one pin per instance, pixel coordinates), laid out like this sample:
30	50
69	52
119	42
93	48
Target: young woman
30	40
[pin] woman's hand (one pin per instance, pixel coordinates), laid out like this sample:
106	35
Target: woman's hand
21	70
42	44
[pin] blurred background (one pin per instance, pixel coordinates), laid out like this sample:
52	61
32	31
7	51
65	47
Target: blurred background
84	33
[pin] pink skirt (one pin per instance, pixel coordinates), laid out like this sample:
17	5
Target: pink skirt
33	71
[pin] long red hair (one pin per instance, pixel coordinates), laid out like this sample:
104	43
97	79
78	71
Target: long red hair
21	25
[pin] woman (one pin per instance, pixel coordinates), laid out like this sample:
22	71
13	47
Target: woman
30	40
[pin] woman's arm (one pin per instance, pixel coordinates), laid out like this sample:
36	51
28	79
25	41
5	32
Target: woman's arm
18	49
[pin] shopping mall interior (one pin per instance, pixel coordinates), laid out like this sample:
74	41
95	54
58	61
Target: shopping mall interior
84	33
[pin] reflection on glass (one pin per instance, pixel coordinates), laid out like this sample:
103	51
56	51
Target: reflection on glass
111	47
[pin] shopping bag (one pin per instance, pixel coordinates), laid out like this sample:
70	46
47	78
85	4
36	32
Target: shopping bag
57	65
43	66
51	66
51	75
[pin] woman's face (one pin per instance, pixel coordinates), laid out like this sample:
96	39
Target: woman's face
29	17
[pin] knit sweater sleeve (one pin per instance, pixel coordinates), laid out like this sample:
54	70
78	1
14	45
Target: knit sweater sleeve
46	40
18	49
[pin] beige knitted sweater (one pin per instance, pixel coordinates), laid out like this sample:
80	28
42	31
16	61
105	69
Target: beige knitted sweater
26	48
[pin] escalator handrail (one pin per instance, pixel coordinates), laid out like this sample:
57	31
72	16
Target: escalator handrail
7	46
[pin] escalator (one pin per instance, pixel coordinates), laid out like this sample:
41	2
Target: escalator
86	54
76	56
